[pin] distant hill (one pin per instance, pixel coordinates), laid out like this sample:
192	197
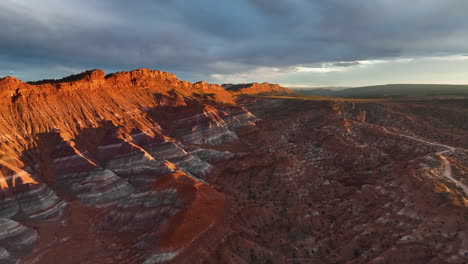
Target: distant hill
394	91
404	90
257	88
315	91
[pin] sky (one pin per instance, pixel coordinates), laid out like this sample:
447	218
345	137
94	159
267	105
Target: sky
296	43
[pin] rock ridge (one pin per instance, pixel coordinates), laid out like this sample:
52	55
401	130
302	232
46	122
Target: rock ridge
257	88
97	79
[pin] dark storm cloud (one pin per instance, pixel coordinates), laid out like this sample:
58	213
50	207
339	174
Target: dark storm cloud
345	63
274	7
198	38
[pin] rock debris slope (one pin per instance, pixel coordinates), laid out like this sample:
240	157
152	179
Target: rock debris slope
139	167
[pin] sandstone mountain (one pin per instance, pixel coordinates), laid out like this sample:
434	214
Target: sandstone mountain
140	167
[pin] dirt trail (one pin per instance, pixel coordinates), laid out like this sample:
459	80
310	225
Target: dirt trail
448	171
448	168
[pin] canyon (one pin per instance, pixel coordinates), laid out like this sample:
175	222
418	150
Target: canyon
140	167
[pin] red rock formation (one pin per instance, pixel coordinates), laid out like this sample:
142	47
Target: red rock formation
139	167
91	140
84	101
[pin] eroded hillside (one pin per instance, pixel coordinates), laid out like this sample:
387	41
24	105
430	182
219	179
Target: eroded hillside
139	167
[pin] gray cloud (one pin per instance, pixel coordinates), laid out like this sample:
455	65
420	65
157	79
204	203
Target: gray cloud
345	63
198	38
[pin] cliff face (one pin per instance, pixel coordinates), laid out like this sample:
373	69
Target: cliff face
86	101
139	167
257	88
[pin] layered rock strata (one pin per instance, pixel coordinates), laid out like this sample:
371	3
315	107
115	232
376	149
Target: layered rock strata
118	148
139	167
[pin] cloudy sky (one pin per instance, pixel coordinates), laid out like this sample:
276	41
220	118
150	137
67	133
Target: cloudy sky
292	42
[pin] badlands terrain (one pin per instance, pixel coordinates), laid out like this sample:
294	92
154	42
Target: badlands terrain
140	167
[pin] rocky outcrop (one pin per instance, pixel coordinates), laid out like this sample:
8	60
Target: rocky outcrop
33	200
16	240
149	208
98	187
207	127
